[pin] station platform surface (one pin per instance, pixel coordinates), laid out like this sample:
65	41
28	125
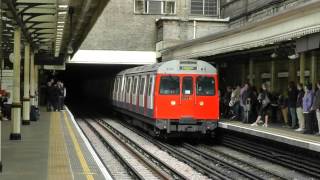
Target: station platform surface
52	148
275	132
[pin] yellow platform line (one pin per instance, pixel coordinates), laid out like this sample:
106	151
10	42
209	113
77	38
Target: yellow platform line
80	155
58	160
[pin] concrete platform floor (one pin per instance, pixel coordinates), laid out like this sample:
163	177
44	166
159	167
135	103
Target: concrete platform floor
275	132
50	148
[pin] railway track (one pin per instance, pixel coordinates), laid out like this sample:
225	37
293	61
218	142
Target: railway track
296	162
241	168
219	169
137	161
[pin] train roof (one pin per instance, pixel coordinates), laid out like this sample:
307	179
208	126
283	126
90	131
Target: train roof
187	66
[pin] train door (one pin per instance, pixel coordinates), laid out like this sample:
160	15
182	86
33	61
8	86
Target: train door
131	93
141	93
134	93
207	98
187	97
123	92
128	87
150	96
145	94
119	90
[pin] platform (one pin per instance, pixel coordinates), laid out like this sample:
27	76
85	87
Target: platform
276	133
52	148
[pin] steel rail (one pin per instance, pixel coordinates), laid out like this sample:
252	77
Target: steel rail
174	173
228	165
267	153
124	162
193	162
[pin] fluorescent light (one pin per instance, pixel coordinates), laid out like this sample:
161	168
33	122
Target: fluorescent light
61	22
60	26
62	13
63	6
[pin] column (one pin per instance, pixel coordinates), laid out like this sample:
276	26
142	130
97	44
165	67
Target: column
302	67
243	73
16	104
273	83
36	86
32	78
26	91
32	82
292	74
257	76
251	71
313	68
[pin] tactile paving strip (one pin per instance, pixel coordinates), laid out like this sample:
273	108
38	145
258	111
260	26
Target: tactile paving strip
58	161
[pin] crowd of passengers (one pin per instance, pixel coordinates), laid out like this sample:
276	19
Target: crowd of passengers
298	107
55	95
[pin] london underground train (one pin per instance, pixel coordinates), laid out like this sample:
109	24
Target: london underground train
177	97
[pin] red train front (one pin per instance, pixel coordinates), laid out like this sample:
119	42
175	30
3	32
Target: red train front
173	98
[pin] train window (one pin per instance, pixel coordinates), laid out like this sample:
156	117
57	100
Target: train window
135	85
142	82
205	86
187	85
150	85
128	85
169	85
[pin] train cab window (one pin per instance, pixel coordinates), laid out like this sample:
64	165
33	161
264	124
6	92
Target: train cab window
142	82
169	85
205	86
187	85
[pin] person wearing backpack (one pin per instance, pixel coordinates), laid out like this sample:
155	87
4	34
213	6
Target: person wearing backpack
264	111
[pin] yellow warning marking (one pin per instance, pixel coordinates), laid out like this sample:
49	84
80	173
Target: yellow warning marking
80	155
58	160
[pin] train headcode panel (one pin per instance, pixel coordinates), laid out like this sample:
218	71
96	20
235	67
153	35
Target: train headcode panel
173	98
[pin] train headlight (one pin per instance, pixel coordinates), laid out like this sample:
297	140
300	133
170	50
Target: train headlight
173	103
201	103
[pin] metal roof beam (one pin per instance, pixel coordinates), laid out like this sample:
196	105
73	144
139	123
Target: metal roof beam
16	16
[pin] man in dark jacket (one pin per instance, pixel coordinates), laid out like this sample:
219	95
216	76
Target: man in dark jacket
316	106
292	103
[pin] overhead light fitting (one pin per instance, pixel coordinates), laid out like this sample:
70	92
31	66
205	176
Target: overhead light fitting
274	55
62	13
294	56
63	6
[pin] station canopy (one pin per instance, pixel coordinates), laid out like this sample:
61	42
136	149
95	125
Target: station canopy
55	28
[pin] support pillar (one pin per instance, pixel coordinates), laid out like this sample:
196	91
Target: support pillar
314	69
243	73
36	85
257	77
273	83
32	83
16	104
26	91
292	76
302	67
251	71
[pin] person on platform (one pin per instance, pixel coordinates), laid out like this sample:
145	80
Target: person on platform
49	95
292	103
316	106
300	108
234	103
307	109
283	104
264	98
